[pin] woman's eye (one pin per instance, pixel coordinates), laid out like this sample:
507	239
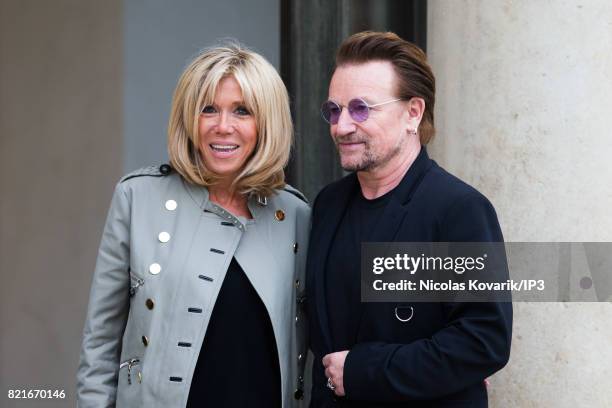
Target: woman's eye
208	109
242	111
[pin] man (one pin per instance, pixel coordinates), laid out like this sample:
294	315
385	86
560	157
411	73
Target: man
380	110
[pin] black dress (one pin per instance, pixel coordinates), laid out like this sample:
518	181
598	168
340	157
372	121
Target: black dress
238	363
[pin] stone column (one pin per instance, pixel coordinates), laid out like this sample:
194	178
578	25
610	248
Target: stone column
524	101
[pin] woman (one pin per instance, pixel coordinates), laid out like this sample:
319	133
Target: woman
197	289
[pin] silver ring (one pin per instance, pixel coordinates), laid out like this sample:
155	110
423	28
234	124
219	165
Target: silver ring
330	384
404	320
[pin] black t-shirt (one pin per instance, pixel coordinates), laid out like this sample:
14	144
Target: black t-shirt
342	270
238	363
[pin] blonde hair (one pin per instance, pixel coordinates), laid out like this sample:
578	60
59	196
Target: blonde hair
265	96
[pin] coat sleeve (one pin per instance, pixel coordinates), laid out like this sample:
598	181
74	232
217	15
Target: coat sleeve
474	344
107	311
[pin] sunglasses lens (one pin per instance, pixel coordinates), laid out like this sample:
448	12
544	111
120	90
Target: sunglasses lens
359	110
331	112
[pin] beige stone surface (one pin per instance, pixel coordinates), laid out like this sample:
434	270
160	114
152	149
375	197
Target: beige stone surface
60	155
524	111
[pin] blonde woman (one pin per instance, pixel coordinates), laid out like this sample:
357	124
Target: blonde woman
197	291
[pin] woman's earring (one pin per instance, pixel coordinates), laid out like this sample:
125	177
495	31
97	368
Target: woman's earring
412	132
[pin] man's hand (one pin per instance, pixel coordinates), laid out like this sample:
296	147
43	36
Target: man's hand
334	369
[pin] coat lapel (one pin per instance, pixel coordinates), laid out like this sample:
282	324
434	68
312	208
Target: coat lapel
397	208
323	233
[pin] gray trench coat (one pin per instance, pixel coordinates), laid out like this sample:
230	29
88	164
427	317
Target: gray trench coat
163	257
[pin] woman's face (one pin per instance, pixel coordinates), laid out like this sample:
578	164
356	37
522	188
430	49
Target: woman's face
228	131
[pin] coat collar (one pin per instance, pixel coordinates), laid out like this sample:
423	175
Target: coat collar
413	177
257	205
396	209
401	196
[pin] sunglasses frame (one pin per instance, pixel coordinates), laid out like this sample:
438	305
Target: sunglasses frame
367	105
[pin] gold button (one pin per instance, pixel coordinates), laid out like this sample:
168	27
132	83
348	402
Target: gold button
149	304
280	215
154	268
295	248
145	340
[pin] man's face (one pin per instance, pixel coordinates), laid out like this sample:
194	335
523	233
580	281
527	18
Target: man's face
365	146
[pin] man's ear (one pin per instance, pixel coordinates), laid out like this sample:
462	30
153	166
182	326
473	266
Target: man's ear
415	108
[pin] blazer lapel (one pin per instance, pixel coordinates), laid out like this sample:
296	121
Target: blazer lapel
395	211
321	239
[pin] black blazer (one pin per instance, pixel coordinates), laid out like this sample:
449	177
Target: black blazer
439	358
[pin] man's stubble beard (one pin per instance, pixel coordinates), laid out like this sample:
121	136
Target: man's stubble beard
368	161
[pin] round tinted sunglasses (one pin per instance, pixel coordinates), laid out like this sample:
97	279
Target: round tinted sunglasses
358	109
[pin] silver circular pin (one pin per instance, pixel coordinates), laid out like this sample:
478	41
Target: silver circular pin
171	205
163	236
154	268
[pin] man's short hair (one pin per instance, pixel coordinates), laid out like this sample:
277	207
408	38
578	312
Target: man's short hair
415	78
